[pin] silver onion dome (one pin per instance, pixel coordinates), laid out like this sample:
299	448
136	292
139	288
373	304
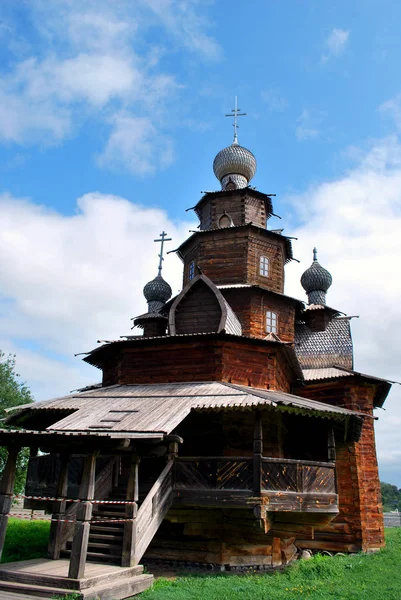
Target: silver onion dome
157	292
234	164
316	281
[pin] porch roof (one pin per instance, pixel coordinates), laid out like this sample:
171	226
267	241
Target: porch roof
158	408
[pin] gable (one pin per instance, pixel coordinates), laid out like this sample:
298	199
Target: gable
201	308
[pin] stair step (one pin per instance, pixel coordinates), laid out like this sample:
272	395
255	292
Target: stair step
116	528
105	535
96	556
118	590
25	590
108	513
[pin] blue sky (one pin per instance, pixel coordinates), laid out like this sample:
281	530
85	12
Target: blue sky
110	117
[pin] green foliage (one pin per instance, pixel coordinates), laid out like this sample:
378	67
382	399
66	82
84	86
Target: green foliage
391	497
357	577
25	539
13	393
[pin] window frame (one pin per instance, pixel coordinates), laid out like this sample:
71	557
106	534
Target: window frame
271	321
264	266
191	270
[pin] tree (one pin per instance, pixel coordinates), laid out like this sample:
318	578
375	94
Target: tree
391	497
13	392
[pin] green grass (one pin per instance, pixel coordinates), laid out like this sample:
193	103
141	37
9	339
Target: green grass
360	577
25	539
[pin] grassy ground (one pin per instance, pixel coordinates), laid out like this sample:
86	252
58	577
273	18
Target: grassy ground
25	539
359	577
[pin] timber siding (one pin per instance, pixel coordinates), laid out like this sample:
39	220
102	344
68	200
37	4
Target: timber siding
232	255
359	524
244	362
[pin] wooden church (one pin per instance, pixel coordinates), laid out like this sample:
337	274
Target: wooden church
233	432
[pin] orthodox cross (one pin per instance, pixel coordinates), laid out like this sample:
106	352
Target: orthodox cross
163	239
235	112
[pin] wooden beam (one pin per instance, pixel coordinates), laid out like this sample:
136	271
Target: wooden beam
257	453
84	514
6	492
331	445
130	527
59	508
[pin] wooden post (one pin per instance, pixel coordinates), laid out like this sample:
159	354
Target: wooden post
84	514
128	558
57	526
6	492
257	453
331	445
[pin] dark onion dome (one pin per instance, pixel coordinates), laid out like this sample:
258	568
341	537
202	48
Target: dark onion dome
157	292
316	281
234	163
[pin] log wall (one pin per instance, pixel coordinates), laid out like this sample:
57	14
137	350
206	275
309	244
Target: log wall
230	256
244	362
359	525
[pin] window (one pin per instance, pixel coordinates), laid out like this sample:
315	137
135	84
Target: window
225	221
264	266
271	321
191	270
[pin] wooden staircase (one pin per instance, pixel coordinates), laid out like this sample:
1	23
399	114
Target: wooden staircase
106	539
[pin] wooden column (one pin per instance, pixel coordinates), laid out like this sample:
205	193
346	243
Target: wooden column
128	558
84	514
257	453
56	526
331	445
6	492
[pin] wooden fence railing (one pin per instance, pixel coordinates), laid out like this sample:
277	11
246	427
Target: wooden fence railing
237	473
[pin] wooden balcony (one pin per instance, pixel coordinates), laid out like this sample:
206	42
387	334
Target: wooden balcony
279	484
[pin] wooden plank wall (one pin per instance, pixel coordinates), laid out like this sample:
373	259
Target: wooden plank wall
242	362
359	525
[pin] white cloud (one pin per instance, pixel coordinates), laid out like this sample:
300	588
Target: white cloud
355	222
335	43
135	144
392	108
66	281
308	124
94	61
274	100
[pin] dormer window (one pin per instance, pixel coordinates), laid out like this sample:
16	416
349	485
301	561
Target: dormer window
191	270
225	221
264	266
271	321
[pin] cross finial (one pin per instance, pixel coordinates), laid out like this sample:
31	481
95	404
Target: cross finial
235	112
314	254
163	239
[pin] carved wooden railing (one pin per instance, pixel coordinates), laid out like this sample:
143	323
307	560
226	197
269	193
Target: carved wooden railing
237	473
153	510
287	475
213	472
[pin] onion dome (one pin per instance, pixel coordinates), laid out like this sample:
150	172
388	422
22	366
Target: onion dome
316	281
234	164
157	292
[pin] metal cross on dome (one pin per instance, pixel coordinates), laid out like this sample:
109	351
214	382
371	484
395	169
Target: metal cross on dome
235	112
163	239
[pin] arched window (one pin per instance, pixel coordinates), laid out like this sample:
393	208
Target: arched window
191	270
225	221
271	321
264	266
